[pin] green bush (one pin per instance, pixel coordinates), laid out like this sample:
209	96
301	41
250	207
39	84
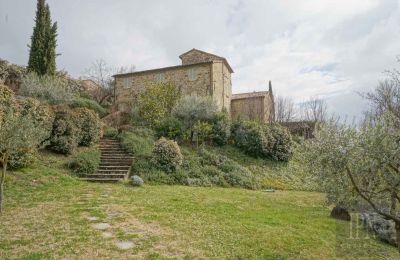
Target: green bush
85	162
167	155
41	113
65	135
265	141
21	159
250	138
40	116
156	102
88	103
280	145
53	89
202	132
221	128
192	109
170	128
111	133
89	124
230	172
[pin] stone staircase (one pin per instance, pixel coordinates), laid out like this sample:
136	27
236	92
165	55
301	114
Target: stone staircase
115	163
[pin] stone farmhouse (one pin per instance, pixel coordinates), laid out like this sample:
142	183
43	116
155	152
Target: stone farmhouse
202	74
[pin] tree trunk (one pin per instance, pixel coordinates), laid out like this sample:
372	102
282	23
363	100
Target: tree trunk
397	226
1	197
2	178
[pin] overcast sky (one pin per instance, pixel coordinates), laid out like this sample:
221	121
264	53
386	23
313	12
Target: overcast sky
326	48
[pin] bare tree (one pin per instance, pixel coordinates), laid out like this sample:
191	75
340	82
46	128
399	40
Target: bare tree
315	110
284	109
386	96
101	73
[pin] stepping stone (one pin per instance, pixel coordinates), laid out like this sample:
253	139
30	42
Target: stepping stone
92	218
113	215
124	245
101	226
107	234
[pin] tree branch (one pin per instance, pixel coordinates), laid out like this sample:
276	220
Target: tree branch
394	218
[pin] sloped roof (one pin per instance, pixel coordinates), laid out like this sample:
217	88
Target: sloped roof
210	54
160	69
250	95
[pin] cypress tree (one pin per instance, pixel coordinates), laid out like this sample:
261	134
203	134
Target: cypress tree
42	55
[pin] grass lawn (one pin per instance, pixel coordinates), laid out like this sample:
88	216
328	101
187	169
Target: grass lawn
49	215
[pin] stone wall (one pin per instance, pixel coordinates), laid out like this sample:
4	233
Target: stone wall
222	85
248	109
256	106
190	80
196	56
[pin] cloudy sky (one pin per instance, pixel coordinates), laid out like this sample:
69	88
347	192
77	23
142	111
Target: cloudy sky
327	48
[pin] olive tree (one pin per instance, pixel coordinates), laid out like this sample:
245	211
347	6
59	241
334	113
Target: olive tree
20	132
360	168
192	109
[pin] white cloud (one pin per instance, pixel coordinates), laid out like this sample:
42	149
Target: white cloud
329	48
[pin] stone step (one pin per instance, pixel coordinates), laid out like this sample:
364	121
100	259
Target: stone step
116	160
114	175
115	163
112	171
114	167
101	179
116	156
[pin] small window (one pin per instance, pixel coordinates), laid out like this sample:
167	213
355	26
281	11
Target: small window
192	74
127	83
160	77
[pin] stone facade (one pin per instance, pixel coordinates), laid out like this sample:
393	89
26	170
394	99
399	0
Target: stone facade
202	74
256	106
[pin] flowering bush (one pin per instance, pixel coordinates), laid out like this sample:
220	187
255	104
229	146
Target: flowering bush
167	155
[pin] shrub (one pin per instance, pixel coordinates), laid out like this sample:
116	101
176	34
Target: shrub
89	124
41	113
230	172
137	181
167	155
65	134
250	138
111	132
11	74
53	89
280	145
265	141
22	159
221	128
191	109
85	162
156	102
203	132
8	103
88	103
170	128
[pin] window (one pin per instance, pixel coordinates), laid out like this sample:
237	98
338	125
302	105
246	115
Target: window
192	74
160	77
127	83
